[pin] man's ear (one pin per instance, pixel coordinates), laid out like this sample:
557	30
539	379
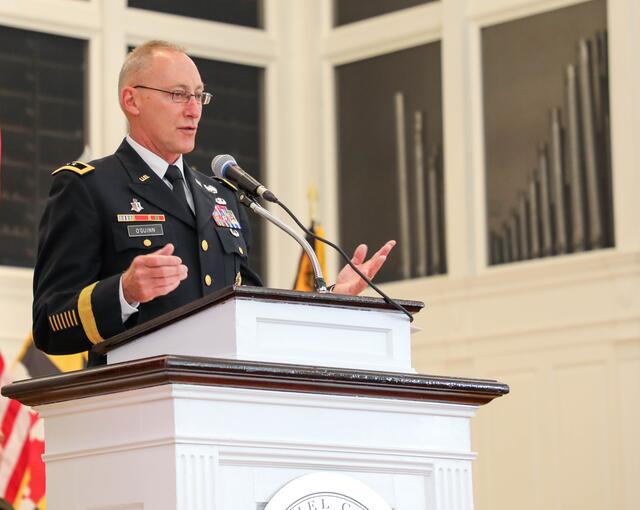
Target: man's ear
128	101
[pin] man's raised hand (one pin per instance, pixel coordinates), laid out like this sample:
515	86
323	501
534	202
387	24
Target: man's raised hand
349	282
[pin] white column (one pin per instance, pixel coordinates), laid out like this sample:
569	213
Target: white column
624	71
464	188
292	112
107	54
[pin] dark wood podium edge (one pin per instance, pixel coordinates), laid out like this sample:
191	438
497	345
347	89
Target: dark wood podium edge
222	295
162	370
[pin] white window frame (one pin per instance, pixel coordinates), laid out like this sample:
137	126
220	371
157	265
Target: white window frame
458	24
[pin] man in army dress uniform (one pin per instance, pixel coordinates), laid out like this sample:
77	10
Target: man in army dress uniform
131	236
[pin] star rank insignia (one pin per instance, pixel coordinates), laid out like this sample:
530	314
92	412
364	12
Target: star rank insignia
136	206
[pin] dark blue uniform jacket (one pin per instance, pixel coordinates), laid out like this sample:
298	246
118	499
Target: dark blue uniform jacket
98	218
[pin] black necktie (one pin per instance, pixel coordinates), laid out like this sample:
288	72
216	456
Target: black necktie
174	176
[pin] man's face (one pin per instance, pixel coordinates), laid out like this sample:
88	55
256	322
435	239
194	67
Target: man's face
163	126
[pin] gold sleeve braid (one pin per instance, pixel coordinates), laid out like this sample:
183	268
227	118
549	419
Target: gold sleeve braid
87	318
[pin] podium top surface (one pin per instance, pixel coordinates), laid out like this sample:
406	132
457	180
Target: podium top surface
258	294
217	372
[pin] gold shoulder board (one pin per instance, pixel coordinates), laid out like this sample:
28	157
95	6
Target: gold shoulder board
77	167
229	184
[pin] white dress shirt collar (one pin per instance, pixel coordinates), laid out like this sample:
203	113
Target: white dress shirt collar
155	162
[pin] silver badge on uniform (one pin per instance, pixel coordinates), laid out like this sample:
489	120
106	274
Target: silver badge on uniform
210	188
136	206
221	201
198	182
234	232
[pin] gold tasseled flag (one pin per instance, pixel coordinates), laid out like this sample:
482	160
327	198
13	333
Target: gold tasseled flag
305	277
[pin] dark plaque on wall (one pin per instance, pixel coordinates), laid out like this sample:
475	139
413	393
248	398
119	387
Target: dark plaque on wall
546	107
236	12
390	163
42	123
349	11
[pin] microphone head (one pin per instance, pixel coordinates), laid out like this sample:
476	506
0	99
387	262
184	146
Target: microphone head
220	164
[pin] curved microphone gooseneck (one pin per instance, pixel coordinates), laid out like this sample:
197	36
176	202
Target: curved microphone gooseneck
225	166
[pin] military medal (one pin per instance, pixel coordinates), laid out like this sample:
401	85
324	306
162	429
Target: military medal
136	206
124	218
218	217
225	218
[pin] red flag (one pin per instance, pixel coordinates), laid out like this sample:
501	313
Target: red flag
22	473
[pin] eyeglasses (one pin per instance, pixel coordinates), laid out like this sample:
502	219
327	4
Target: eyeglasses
182	96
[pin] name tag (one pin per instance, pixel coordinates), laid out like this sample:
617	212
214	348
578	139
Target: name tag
145	230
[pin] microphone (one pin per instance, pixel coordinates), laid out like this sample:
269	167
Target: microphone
225	167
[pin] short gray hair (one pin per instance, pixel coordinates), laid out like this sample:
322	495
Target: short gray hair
140	57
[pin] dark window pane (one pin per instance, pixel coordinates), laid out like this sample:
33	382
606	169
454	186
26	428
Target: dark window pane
231	124
236	12
348	11
380	198
42	89
546	106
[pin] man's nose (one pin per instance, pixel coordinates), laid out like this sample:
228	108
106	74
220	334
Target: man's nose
193	108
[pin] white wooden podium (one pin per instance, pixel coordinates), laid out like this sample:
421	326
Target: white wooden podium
194	412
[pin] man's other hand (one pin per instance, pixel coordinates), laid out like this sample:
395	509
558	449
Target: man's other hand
153	275
348	281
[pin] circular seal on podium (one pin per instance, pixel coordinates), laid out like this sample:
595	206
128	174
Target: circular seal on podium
326	491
